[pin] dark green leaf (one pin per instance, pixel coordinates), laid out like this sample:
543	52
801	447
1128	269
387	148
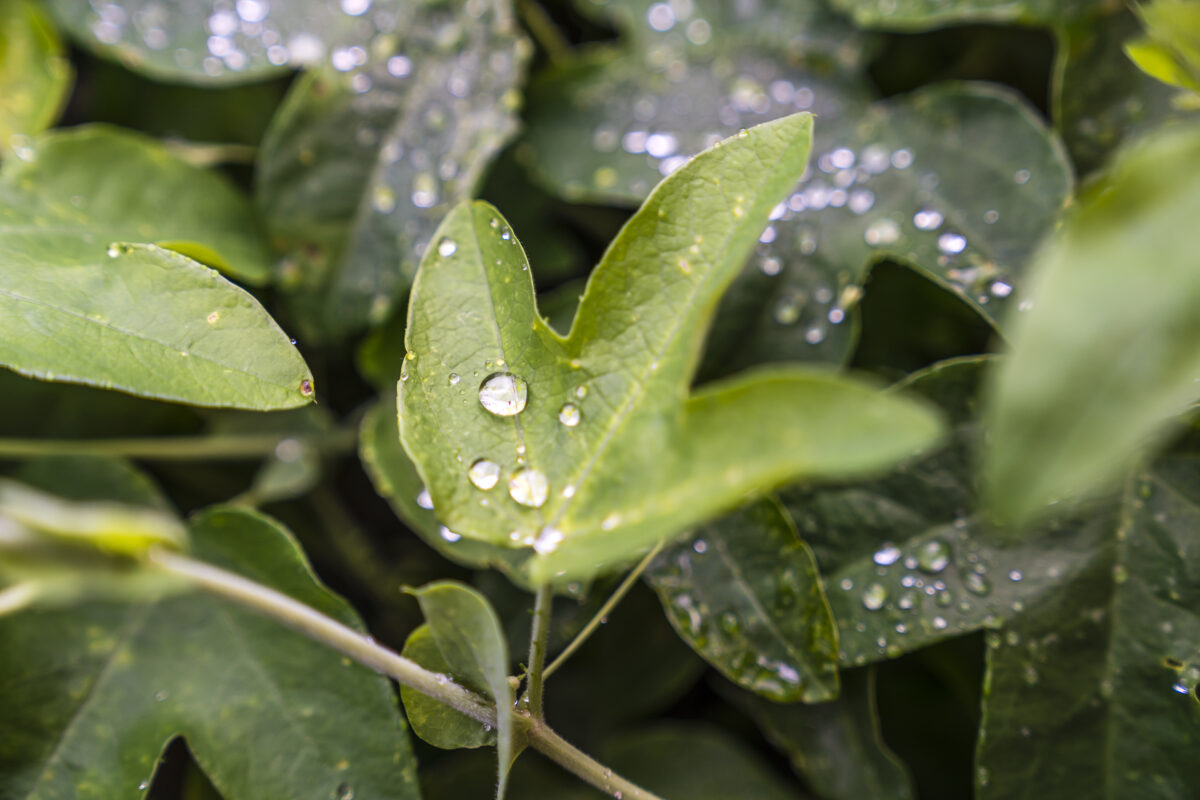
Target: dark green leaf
745	595
607	459
97	692
1111	348
471	641
1094	691
835	746
35	78
432	720
357	170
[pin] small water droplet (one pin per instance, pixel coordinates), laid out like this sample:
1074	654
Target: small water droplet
484	473
928	219
874	596
933	556
424	500
569	415
547	540
143	786
160	695
977	584
306	388
882	231
940	623
344	792
503	394
454	379
952	243
448	535
529	487
887	555
699	547
447	248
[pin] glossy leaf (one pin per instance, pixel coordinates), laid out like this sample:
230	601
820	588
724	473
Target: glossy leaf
1100	98
34	76
358	168
607	460
746	596
835	746
214	42
1081	395
471	642
1093	692
908	560
434	721
130	188
97	691
84	305
915	15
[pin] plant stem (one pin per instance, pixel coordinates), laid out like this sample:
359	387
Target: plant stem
574	760
366	651
324	629
542	604
547	34
174	448
601	615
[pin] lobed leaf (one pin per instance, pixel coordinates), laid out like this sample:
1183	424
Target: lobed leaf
1111	349
609	458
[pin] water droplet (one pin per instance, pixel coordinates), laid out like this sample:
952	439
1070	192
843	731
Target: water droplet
448	535
424	500
1022	176
952	243
887	555
874	596
569	415
977	584
529	487
882	231
447	248
160	695
547	540
454	379
383	199
1015	575
484	473
581	391
344	792
503	394
306	388
699	546
143	786
940	623
928	219
933	556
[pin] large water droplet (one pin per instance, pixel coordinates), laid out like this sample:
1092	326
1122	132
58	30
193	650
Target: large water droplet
529	487
503	394
874	596
933	556
484	473
548	540
569	415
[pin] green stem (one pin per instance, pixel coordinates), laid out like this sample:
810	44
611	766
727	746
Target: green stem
324	629
574	760
547	34
601	616
542	604
174	448
366	651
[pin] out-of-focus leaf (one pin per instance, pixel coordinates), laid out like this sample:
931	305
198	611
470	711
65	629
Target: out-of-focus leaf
1100	98
1170	50
1095	690
607	460
1111	349
210	41
83	305
131	188
34	76
916	15
835	746
358	168
93	694
471	642
432	720
746	596
908	560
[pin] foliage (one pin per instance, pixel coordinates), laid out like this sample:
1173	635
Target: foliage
867	447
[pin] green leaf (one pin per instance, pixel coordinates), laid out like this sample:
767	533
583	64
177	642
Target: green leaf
908	560
1100	98
83	306
1170	51
208	42
918	15
1093	692
432	720
93	694
471	642
835	746
633	462
35	78
1111	349
130	188
353	181
745	595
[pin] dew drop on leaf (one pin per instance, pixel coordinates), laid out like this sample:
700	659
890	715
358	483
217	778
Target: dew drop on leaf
424	500
548	540
344	791
874	596
977	584
933	556
447	248
887	555
484	473
569	415
529	487
503	394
